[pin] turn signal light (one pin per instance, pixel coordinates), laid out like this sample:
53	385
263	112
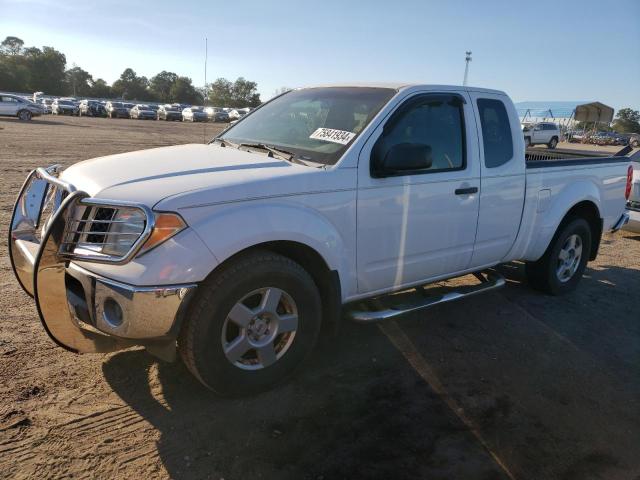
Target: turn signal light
166	226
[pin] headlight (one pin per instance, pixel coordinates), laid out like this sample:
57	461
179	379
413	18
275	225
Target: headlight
126	226
115	233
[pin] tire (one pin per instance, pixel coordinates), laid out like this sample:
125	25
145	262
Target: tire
527	142
547	274
553	143
243	284
25	115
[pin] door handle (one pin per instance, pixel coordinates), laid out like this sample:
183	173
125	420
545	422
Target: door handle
466	191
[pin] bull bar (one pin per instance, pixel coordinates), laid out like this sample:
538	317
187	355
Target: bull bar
81	311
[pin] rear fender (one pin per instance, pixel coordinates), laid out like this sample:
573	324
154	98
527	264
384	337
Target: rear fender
548	221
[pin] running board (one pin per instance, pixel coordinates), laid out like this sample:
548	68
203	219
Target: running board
489	280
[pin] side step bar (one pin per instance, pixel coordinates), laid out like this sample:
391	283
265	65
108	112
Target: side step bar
489	280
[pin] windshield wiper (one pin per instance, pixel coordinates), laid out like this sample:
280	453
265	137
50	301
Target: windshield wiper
225	143
275	152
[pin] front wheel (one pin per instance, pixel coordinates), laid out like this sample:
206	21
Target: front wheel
527	142
24	115
561	267
251	324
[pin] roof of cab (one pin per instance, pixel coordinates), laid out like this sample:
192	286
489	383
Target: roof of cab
405	86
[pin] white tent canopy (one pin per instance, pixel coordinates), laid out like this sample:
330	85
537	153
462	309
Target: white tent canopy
583	111
593	112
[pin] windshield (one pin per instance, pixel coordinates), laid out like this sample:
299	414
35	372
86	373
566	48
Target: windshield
64	102
314	124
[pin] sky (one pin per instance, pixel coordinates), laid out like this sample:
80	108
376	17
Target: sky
534	50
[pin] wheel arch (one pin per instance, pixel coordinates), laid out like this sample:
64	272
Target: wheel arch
588	210
327	280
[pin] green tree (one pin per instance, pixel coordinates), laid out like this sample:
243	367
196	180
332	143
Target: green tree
78	82
627	121
161	85
132	87
220	93
11	46
245	93
183	91
101	89
241	93
46	70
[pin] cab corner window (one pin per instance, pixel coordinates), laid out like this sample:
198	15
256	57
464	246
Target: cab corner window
496	132
425	135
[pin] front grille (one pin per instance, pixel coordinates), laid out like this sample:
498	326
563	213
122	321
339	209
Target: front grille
110	232
99	226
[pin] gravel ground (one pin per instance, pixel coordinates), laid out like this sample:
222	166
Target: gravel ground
512	384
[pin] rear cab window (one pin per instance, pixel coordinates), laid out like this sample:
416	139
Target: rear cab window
496	132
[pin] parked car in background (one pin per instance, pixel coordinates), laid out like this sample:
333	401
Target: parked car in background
62	106
116	110
143	112
236	114
633	139
576	136
92	108
129	106
169	112
194	114
15	106
216	114
46	104
542	133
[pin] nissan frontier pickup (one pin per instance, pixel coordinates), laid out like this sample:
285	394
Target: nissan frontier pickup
314	207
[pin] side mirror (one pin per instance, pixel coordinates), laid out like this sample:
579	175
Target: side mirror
402	158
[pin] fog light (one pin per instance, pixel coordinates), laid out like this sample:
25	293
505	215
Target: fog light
112	312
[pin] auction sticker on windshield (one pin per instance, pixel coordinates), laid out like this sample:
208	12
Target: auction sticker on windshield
332	135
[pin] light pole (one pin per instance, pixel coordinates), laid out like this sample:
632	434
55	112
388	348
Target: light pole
466	67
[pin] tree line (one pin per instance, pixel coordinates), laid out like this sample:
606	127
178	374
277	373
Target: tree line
31	69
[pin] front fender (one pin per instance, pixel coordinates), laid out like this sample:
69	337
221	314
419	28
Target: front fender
230	229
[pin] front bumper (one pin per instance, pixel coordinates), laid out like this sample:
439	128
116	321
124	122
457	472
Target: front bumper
633	225
81	311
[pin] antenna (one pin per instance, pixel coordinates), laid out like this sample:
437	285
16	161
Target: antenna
206	90
467	59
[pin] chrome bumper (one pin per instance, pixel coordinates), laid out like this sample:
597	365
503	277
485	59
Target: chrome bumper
622	221
81	311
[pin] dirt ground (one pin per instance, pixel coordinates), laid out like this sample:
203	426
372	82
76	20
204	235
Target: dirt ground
508	385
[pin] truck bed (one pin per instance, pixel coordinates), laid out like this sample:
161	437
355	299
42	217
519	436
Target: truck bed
539	158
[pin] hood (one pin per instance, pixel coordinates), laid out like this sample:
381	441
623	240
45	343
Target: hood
194	174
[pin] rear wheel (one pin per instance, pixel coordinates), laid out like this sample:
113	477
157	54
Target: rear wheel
251	324
24	115
553	143
561	267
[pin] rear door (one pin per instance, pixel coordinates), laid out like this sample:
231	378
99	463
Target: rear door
418	225
503	177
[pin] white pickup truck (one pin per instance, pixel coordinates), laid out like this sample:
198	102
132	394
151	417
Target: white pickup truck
236	252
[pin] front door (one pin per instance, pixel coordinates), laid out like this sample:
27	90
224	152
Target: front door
8	105
416	225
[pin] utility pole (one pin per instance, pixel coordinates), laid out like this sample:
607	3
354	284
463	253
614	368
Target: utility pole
206	89
206	54
466	67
